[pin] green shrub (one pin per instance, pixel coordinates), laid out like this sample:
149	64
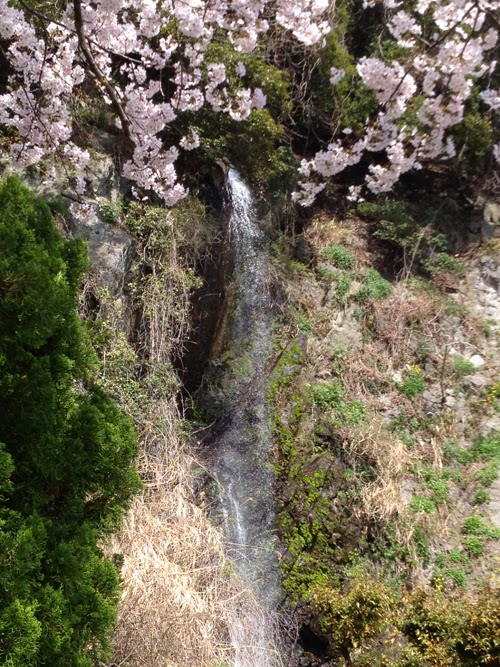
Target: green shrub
342	284
422	504
462	366
452	630
475	135
331	396
65	462
442	262
355	616
328	395
352	412
481	496
422	547
303	323
373	288
454	451
488	473
339	257
111	211
477	525
477	639
409	226
487	448
325	275
413	383
457	575
474	546
437	483
457	556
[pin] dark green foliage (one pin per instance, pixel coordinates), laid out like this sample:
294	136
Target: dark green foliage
331	397
476	134
354	617
478	526
375	626
256	145
65	462
415	230
349	103
474	546
253	145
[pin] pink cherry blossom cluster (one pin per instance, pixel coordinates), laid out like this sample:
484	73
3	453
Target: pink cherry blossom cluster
134	51
434	81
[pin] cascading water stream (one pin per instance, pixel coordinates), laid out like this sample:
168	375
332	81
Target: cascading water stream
244	440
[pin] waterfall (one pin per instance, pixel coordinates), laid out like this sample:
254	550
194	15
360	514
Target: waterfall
244	439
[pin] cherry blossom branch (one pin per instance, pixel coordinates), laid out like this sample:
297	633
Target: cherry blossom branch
101	78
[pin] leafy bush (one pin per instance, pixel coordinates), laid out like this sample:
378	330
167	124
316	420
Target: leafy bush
485	450
373	288
457	575
413	383
357	615
410	227
352	412
457	556
477	525
422	504
437	483
462	366
474	546
328	395
339	257
111	211
303	323
331	395
350	102
481	496
442	262
342	284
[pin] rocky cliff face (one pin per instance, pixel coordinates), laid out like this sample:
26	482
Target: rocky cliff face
387	428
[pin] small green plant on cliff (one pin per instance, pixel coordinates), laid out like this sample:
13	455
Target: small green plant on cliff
328	395
474	546
410	228
339	257
373	288
442	262
331	396
461	366
479	526
111	210
480	463
342	284
422	504
413	383
372	625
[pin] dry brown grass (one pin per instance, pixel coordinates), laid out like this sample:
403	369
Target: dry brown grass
381	499
404	319
176	592
324	231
